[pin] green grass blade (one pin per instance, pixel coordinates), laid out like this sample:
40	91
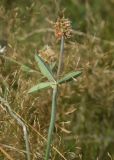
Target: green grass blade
69	77
44	68
40	86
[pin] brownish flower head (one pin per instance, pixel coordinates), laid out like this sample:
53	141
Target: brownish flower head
62	28
48	54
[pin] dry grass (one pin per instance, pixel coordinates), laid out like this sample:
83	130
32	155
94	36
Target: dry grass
84	123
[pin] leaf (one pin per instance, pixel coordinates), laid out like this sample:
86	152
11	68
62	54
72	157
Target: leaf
52	66
69	77
26	68
44	68
41	86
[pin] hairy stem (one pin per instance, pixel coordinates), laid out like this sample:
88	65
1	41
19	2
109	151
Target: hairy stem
52	121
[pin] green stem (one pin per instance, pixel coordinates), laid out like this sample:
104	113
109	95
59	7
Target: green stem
54	101
52	121
61	57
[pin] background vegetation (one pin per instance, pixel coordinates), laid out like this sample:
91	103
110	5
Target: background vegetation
85	115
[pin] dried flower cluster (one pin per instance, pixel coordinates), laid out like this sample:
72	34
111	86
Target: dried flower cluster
62	28
48	54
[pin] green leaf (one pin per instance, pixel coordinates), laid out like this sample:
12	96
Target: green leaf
44	68
69	77
52	66
26	68
41	86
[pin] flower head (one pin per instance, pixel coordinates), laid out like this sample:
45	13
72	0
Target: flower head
48	54
62	28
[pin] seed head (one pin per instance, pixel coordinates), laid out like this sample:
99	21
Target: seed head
62	28
48	54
